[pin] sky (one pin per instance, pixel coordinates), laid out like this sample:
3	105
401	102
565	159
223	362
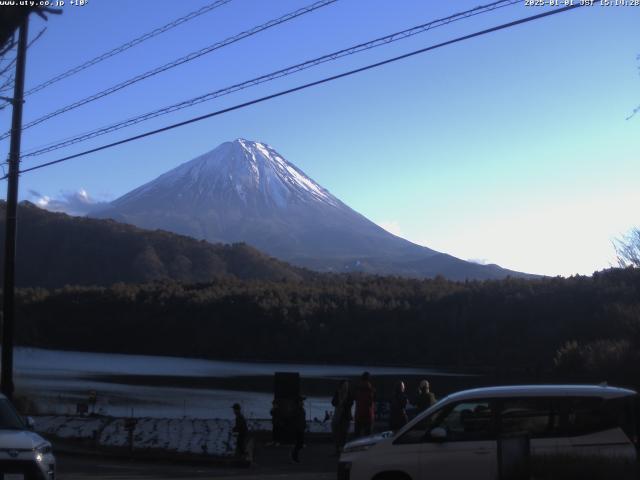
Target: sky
513	148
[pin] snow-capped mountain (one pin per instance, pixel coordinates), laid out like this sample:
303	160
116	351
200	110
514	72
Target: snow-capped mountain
245	191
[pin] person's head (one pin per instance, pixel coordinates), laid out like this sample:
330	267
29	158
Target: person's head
400	387
424	386
365	377
237	409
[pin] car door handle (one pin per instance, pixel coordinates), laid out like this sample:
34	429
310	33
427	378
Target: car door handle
482	451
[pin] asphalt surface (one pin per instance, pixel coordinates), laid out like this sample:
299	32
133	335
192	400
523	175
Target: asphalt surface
269	462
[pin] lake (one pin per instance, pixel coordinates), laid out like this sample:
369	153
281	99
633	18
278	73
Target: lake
54	382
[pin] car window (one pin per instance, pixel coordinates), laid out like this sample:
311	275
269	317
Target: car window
591	415
534	417
9	418
472	420
585	415
623	411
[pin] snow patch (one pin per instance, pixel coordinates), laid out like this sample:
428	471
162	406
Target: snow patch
199	436
253	170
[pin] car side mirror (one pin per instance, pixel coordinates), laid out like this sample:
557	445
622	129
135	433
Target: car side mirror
438	434
31	423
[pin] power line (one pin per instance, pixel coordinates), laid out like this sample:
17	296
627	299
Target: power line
270	77
128	45
303	87
8	83
187	58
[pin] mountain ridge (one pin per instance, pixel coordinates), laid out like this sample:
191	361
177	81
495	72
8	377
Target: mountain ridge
246	191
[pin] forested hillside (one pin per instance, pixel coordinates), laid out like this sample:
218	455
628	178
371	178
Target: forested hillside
55	249
571	325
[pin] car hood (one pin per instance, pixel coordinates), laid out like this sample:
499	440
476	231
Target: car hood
369	440
20	439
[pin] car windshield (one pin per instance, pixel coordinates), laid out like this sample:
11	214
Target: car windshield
9	418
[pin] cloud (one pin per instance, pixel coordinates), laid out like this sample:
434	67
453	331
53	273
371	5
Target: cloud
77	203
479	261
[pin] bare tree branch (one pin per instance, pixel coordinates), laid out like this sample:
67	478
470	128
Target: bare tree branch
637	109
8	83
7	47
628	249
8	66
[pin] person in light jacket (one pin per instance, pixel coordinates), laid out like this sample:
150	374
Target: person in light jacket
425	398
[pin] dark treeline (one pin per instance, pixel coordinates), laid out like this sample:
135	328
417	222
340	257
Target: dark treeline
55	249
574	325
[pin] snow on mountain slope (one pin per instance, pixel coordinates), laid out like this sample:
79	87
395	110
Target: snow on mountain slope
245	191
253	171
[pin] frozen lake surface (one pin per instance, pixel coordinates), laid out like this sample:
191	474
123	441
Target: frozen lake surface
54	382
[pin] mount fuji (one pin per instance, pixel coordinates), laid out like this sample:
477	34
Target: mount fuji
245	191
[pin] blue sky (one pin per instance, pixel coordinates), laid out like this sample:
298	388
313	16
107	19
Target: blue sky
512	148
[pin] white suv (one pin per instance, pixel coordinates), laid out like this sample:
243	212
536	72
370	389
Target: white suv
461	436
24	455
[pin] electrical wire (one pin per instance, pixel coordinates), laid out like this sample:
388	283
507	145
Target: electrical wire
304	87
187	58
269	77
128	45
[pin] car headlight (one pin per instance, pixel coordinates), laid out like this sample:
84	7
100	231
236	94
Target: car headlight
357	448
42	450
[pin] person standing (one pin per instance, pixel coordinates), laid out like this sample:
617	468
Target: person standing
241	430
342	402
300	425
398	415
425	398
365	410
276	423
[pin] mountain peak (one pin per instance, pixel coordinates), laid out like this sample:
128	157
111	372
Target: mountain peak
241	170
245	191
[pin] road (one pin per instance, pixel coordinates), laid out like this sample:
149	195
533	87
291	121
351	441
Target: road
270	463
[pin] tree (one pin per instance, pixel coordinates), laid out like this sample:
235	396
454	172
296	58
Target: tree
637	109
628	249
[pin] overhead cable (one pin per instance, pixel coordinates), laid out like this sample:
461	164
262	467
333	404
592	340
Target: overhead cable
269	77
555	11
182	60
126	46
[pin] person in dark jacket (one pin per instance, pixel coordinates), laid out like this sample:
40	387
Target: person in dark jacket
425	398
241	430
365	396
300	425
342	402
276	423
398	415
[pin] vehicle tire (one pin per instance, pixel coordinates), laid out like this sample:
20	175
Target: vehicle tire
392	476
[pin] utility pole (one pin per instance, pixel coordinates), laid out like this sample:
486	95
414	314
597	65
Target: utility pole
8	298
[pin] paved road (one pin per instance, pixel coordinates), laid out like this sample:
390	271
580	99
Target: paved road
270	463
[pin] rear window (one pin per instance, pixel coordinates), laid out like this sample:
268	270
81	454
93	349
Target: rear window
592	415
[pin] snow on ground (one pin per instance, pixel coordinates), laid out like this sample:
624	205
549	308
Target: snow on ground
179	435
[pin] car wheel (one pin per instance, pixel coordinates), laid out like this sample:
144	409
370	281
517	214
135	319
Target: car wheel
392	476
